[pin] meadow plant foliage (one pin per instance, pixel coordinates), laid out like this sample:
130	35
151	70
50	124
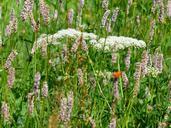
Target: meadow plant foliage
85	63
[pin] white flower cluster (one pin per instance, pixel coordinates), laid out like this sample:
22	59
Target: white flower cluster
116	43
110	43
53	39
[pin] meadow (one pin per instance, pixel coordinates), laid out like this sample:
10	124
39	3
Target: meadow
85	63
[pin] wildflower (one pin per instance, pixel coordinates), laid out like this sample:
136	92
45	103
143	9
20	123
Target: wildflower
115	14
108	26
12	26
81	3
116	43
30	103
114	58
137	76
105	16
44	11
55	15
144	63
11	77
44	47
152	29
125	80
158	62
105	4
45	89
10	59
65	53
128	6
63	109
161	12
28	8
169	8
127	59
153	9
112	123
116	89
117	74
138	20
80	77
34	25
37	78
5	111
84	46
152	71
76	44
66	107
162	125
70	101
92	122
70	16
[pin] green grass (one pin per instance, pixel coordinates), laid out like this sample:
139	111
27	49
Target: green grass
95	97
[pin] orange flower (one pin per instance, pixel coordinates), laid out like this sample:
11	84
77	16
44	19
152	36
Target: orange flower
117	74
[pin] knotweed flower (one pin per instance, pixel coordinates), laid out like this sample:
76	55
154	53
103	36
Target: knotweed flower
154	5
108	26
158	62
84	46
30	103
104	18
152	30
81	3
44	47
12	26
34	25
37	78
137	76
45	89
5	111
128	6
70	16
161	12
28	8
63	109
169	8
125	80
112	123
116	43
114	58
115	14
70	102
10	59
44	11
128	59
92	122
65	53
116	89
105	4
144	63
80	77
76	44
66	107
11	77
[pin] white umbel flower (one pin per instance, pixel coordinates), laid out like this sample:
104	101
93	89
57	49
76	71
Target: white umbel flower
64	33
116	43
